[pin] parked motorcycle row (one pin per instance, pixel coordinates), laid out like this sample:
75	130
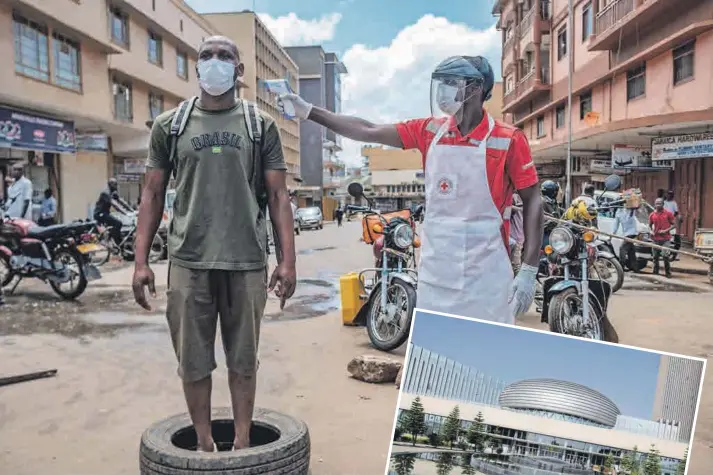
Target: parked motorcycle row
65	256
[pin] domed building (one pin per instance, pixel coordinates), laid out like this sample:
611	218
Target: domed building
563	400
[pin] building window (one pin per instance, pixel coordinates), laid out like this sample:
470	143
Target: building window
122	101
67	71
155	105
155	49
636	82
509	84
683	62
31	56
119	27
562	43
541	126
182	65
559	116
587	22
585	104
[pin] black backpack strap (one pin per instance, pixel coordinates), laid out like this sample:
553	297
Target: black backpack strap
255	125
178	125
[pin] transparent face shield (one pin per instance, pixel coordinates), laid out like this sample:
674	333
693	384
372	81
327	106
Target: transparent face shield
449	94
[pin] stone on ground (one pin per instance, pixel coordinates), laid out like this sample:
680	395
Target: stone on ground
374	369
398	378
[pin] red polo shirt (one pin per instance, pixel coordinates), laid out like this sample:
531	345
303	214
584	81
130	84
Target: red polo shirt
507	171
663	219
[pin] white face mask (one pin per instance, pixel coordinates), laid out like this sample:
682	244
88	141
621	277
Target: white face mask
216	77
447	99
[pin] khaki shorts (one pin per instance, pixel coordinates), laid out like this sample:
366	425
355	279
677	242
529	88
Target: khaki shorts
195	300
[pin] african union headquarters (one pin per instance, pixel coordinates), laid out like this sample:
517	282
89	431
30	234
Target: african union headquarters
562	422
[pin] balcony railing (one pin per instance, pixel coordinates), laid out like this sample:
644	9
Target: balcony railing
612	14
526	23
527	81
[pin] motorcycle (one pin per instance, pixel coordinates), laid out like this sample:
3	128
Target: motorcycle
608	265
574	303
391	292
703	245
57	255
125	247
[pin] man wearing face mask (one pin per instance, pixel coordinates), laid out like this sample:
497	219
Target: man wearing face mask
218	237
472	165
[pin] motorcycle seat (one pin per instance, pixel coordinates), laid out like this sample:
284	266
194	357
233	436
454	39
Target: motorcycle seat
43	232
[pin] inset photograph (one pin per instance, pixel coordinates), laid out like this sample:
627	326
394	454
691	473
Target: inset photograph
484	398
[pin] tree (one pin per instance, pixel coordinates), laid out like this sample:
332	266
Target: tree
444	463
629	464
477	435
414	421
451	428
652	464
403	464
468	469
434	439
681	468
608	463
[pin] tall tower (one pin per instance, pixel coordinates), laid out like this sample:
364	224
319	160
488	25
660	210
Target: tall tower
679	381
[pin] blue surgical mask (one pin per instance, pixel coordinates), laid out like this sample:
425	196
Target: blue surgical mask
216	77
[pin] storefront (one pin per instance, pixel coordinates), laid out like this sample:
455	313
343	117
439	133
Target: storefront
36	142
129	172
692	178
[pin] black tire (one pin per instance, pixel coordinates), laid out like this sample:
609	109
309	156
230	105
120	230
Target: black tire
289	454
297	231
105	255
81	285
557	305
5	262
642	264
403	333
619	282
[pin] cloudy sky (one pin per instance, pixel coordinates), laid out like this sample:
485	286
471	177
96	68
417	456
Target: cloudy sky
389	47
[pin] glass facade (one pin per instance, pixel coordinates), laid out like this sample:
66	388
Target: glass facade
513	443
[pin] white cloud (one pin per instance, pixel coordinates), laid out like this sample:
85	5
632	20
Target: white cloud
392	83
290	30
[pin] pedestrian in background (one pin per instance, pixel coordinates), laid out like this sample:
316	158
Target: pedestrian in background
48	214
662	222
626	220
340	216
19	195
517	236
671	206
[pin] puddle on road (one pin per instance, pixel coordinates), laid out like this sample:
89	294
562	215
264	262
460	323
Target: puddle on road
313	298
35	312
312	250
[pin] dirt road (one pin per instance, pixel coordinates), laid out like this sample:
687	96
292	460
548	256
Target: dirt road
117	372
117	369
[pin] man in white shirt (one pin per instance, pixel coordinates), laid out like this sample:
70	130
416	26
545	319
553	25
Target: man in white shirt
588	196
670	204
626	220
19	195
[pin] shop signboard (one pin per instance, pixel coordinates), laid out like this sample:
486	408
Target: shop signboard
682	147
22	130
600	165
93	142
550	170
630	156
135	166
128	178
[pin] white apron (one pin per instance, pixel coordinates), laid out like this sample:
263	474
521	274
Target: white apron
465	269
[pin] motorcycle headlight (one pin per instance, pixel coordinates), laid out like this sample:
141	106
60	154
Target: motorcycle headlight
561	240
403	236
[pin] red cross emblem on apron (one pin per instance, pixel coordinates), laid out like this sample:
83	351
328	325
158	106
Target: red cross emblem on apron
445	186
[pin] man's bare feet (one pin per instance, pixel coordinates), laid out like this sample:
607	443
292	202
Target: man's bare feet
211	447
241	444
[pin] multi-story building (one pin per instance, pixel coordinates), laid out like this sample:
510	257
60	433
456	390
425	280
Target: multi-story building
98	70
396	177
320	84
677	391
264	58
642	104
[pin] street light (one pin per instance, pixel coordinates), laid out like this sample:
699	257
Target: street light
570	60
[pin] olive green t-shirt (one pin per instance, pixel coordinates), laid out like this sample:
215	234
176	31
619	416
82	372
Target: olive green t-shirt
216	221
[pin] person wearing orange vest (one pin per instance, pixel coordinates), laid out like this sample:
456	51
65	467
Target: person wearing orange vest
472	165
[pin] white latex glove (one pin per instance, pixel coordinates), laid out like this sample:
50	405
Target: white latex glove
523	290
302	107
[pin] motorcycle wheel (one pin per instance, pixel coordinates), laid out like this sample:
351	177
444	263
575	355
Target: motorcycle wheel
69	257
100	258
565	316
6	272
406	303
613	272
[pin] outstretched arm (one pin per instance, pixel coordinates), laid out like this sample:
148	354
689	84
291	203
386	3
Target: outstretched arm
347	126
